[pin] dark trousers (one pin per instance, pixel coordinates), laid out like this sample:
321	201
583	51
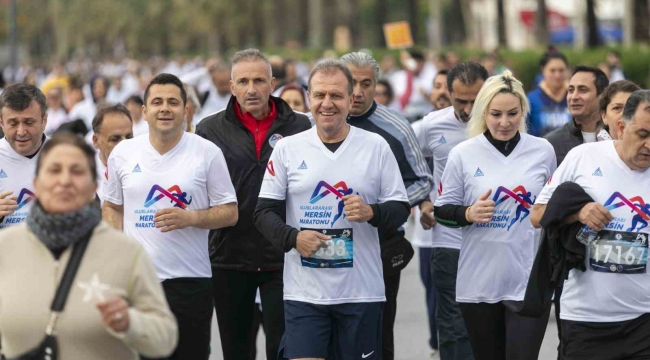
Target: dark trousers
556	301
496	333
430	294
190	300
234	303
255	329
453	341
390	311
623	340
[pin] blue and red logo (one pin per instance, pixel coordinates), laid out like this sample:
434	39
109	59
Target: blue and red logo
340	189
502	218
174	194
24	198
638	206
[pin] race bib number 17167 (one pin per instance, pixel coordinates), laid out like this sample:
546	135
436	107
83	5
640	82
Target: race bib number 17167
619	252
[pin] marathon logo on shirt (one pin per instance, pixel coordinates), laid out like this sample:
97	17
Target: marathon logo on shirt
174	194
24	197
502	218
320	214
638	207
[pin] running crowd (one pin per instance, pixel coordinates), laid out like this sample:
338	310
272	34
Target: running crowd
284	204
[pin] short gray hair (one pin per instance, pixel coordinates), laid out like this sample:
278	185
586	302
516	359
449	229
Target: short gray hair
636	98
250	55
361	60
330	67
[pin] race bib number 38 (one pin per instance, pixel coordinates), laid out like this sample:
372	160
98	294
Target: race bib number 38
619	252
339	252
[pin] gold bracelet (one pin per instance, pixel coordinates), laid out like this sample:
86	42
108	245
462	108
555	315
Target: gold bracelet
467	213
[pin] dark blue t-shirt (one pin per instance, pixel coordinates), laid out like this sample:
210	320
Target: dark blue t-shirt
546	115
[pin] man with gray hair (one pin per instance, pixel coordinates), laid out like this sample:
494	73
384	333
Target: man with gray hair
366	114
610	297
243	261
325	193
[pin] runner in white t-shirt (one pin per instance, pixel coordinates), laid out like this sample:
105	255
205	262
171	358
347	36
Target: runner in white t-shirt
605	310
441	131
23	118
488	187
338	183
111	125
167	190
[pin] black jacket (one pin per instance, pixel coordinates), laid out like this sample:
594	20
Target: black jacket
242	247
559	251
564	139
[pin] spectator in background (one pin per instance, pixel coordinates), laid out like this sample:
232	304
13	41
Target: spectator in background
294	95
548	102
605	68
134	104
539	77
291	73
452	59
413	84
99	86
615	68
218	91
440	94
612	102
387	66
279	71
56	114
384	95
81	108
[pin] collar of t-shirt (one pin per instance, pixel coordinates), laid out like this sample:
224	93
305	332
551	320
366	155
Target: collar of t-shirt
39	148
505	147
588	137
333	146
371	110
258	128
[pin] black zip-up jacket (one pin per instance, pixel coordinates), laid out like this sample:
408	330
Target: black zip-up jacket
242	247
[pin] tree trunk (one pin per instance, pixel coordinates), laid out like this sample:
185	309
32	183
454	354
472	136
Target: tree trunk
541	30
592	25
466	12
258	19
354	23
412	17
280	26
316	24
501	24
381	9
454	24
303	20
642	26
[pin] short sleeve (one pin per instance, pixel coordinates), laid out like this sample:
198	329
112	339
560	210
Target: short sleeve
112	190
421	129
391	183
274	184
451	190
220	188
565	172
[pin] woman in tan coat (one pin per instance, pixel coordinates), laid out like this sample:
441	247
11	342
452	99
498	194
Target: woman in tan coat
116	308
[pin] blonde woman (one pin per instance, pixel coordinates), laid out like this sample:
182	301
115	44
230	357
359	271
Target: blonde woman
489	187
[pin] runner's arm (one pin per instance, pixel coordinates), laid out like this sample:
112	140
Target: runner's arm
270	221
113	215
216	217
390	214
450	215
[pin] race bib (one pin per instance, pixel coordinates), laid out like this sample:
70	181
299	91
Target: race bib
619	252
339	252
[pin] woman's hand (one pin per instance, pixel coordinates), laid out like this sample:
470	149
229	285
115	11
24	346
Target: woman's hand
115	313
482	210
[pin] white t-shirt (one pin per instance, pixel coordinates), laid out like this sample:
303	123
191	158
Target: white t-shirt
421	238
441	132
16	174
312	180
496	258
597	296
101	177
192	176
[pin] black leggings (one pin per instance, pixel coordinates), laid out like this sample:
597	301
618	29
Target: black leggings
496	333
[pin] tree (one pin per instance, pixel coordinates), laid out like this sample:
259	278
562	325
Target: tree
592	25
541	24
381	10
412	17
642	26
